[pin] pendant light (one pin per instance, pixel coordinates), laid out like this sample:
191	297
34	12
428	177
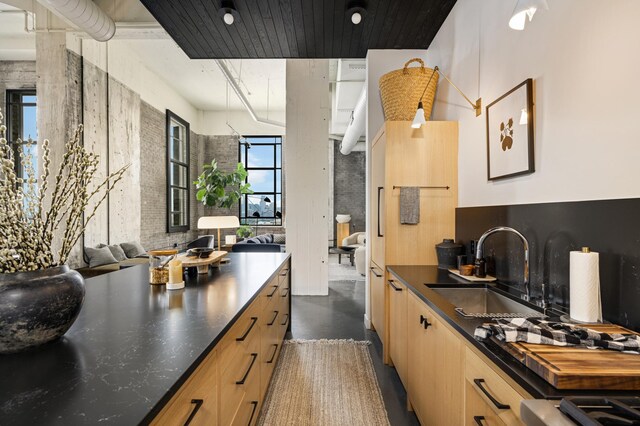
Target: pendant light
524	9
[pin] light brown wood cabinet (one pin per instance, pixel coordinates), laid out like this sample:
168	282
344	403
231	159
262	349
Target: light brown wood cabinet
376	286
229	386
436	367
398	328
449	381
403	156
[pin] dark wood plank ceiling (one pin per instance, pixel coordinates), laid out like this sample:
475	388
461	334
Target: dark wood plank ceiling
299	28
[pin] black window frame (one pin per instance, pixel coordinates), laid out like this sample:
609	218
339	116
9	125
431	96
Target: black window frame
243	146
171	116
9	105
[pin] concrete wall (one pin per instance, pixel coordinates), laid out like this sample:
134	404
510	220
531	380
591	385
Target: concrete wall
349	188
305	153
16	75
59	82
580	55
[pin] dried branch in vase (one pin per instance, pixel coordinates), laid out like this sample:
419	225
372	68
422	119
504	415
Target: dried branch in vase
30	217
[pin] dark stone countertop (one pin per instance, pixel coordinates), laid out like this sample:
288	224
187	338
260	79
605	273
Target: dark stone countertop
419	278
132	346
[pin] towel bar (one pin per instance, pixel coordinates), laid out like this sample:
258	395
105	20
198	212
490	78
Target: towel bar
424	187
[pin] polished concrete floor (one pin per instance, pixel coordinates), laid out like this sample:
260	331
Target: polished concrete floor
341	316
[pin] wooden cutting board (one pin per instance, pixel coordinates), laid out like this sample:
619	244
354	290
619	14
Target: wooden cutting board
574	368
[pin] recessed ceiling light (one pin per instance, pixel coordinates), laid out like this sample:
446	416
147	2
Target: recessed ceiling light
356	18
228	18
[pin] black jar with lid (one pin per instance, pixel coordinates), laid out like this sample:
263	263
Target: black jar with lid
447	252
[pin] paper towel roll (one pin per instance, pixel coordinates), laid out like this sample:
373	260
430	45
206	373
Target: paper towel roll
584	286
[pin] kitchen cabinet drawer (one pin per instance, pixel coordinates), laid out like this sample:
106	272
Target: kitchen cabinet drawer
488	393
249	409
197	400
283	275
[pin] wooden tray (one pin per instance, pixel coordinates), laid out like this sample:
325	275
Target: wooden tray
575	368
472	278
202	263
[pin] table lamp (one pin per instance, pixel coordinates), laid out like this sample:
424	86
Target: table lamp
218	222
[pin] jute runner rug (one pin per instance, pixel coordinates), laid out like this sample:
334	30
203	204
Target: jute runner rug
324	382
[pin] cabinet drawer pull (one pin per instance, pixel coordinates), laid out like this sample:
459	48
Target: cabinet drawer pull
285	292
274	354
479	420
198	403
284	272
253	361
254	320
425	322
498	404
274	318
394	286
380	188
253	411
286	319
374	272
275	288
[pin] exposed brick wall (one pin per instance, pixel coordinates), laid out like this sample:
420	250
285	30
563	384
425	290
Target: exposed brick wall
349	187
16	75
153	173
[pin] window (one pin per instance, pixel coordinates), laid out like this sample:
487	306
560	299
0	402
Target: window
21	124
177	174
262	157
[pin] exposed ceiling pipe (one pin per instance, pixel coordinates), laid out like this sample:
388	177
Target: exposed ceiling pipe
236	88
355	129
87	16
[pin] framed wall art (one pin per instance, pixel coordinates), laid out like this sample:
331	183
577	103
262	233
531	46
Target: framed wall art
510	133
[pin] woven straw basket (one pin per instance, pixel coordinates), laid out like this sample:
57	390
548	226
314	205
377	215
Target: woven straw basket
401	91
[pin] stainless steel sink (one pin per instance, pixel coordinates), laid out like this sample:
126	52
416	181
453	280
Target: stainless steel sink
485	303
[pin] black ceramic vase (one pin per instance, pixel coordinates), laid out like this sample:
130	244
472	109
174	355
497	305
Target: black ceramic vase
447	252
38	307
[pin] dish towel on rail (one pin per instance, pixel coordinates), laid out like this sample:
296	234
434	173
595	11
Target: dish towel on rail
409	205
531	330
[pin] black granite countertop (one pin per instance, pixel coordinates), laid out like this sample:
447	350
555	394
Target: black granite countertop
418	279
132	346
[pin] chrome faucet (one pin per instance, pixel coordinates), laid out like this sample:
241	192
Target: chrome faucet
480	246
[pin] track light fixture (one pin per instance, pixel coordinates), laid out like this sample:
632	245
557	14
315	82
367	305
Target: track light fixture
228	12
356	10
525	9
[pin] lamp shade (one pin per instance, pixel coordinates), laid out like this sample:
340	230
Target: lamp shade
218	222
419	119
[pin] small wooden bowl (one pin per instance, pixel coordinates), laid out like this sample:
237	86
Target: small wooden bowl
466	270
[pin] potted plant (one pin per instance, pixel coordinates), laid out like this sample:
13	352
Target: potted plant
244	231
218	189
40	296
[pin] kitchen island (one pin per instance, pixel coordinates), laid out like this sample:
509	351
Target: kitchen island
135	345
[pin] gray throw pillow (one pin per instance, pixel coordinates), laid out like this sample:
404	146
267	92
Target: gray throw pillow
133	249
99	256
253	240
263	239
279	238
117	252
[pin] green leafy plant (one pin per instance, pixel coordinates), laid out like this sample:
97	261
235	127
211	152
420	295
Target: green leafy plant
218	189
244	231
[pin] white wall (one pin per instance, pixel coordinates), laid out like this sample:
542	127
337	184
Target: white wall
583	57
123	65
379	62
215	123
306	159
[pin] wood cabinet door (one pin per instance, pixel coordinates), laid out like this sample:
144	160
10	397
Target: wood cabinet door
377	194
376	282
435	367
398	328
